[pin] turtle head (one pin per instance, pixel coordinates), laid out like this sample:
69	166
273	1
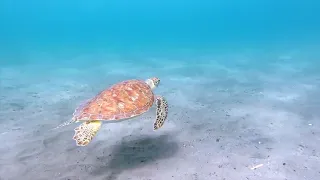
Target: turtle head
153	82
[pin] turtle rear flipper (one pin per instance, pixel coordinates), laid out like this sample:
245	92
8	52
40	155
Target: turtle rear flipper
85	132
162	112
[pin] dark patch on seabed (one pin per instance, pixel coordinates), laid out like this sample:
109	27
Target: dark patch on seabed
131	154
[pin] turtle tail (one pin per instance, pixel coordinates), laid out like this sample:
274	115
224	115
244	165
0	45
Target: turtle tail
65	124
85	132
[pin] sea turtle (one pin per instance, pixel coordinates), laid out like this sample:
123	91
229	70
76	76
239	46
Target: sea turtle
122	101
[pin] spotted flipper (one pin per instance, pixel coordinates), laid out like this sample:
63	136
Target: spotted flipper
86	131
162	112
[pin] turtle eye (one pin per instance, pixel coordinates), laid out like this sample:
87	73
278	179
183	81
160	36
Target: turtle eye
156	81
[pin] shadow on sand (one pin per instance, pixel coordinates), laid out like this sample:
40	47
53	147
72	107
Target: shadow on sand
136	153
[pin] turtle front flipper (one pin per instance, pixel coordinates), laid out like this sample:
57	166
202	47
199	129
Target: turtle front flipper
85	132
162	112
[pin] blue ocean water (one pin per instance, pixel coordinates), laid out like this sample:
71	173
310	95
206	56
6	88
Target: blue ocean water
241	78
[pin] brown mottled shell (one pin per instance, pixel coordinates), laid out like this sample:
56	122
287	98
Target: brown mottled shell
123	100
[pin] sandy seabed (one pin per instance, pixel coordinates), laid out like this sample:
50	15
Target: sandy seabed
239	117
